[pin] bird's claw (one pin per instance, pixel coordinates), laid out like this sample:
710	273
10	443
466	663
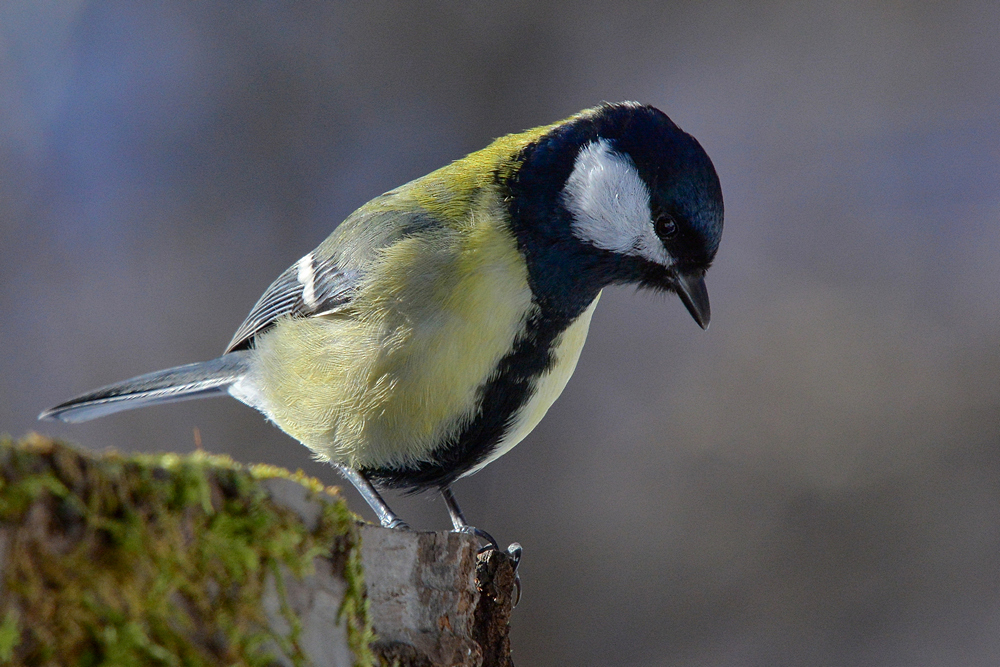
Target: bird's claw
514	552
481	534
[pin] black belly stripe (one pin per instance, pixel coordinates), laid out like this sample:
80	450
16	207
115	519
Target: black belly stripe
564	281
499	400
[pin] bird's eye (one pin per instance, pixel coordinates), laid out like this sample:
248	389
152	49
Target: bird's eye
665	226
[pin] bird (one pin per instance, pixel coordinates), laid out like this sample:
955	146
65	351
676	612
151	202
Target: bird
437	324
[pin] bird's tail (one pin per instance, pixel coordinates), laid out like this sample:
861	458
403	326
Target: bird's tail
201	380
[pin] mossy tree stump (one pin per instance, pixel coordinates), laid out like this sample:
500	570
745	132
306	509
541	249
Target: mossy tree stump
196	560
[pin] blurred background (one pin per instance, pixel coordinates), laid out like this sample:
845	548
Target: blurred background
814	481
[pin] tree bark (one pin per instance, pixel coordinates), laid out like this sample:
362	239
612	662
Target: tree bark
198	560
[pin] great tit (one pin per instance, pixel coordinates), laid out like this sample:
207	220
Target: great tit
437	324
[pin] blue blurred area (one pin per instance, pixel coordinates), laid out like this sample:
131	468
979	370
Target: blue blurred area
814	481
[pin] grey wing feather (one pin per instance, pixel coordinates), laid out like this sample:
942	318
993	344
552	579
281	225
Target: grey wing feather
326	279
307	289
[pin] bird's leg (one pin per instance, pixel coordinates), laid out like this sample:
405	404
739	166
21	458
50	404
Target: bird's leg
386	516
461	525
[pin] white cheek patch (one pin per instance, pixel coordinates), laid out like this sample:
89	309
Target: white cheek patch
610	204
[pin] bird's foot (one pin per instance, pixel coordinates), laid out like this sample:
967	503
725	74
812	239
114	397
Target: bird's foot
481	534
396	524
514	551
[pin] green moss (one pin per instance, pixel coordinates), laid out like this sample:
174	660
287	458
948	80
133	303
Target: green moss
10	634
159	560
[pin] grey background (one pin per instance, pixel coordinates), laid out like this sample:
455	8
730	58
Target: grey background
814	481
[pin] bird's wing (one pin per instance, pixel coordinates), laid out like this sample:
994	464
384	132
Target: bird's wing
308	288
325	280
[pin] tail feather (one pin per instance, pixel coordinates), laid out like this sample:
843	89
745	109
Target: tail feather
182	383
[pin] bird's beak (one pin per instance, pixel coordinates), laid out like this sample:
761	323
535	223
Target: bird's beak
692	291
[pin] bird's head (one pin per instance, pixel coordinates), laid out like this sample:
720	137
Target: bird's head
619	194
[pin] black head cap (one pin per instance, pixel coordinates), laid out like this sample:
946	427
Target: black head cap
680	175
572	253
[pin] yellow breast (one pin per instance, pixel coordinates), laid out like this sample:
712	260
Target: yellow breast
381	383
